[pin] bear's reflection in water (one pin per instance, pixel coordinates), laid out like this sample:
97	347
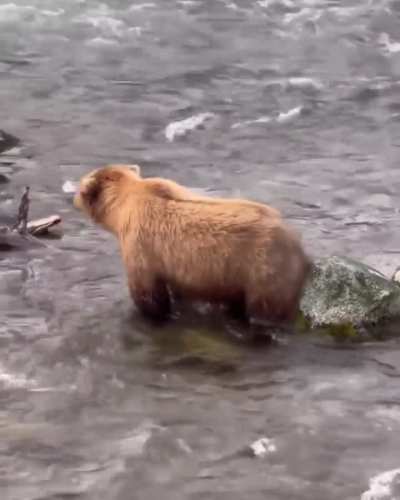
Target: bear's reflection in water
199	336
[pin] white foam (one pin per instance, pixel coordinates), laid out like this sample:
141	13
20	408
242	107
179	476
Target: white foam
99	41
267	3
346	12
232	6
14	380
289	115
282	118
137	30
387	46
262	119
69	187
301	82
11	12
189	3
141	6
135	443
184	446
315	3
53	13
108	24
102	19
380	486
304	82
306	14
263	446
181	128
10	380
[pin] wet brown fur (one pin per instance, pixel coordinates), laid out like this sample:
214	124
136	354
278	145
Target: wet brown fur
231	251
169	189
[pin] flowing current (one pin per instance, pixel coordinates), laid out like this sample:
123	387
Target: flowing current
292	102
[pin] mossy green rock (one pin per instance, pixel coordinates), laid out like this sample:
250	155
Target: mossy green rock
343	291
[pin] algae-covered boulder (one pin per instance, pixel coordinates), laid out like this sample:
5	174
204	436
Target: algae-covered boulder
342	291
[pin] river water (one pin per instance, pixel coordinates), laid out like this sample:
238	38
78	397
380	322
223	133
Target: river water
294	103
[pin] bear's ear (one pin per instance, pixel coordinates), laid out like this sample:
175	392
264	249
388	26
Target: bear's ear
109	175
90	190
136	169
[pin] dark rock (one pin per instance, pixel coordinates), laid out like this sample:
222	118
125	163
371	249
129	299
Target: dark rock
7	141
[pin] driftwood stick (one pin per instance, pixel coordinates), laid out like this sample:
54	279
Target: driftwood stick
22	233
23	212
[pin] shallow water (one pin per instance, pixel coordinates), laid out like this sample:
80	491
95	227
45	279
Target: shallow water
291	103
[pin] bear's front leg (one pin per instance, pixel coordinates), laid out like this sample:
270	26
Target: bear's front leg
236	309
148	290
151	298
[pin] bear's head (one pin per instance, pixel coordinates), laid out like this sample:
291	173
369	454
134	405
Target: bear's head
102	190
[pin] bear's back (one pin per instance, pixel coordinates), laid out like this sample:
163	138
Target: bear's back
172	191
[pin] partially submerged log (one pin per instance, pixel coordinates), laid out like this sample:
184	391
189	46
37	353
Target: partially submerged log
11	238
40	227
23	234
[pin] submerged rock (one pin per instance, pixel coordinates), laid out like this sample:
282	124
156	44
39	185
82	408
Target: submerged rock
345	293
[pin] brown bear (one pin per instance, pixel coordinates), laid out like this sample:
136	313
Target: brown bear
233	252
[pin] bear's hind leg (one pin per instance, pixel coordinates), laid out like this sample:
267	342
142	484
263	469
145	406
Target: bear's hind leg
274	308
153	301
